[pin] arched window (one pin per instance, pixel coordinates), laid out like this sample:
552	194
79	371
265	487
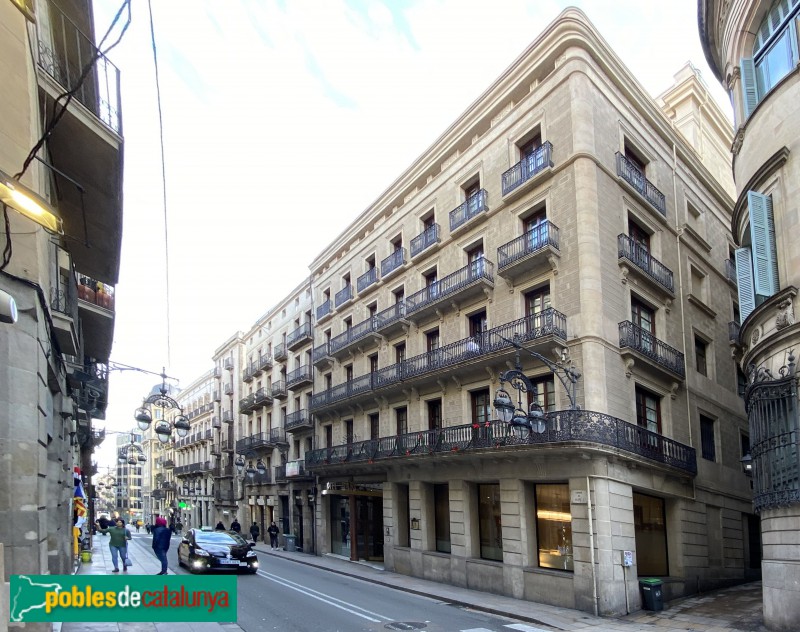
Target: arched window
775	52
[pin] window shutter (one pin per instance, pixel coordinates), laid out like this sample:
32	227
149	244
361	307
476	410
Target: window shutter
749	86
744	280
762	241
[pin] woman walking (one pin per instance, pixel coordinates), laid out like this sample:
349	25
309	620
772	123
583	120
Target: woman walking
118	544
161	535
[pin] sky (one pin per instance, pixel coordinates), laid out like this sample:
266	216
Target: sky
282	121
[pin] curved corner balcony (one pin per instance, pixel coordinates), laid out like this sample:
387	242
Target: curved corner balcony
520	177
472	280
579	429
533	251
636	343
644	265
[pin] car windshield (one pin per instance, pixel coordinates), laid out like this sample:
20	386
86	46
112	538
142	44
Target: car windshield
218	537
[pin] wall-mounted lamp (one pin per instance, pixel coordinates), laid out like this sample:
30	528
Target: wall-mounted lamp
30	204
415	524
747	464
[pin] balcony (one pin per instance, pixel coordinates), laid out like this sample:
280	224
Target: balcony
393	263
277	437
343	296
169	464
640	344
641	185
521	176
227	416
64	312
297	470
299	337
301	376
733	332
86	145
392	319
215	450
279	389
264	363
536	332
299	420
204	467
217	395
246	404
216	422
321	354
646	266
207	434
593	431
262	397
248	374
536	250
369	278
426	239
324	310
281	352
730	272
96	311
280	474
228	364
471	208
228	388
474	279
253	442
217	372
339	345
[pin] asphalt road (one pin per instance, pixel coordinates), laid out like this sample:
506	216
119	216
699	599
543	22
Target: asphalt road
292	597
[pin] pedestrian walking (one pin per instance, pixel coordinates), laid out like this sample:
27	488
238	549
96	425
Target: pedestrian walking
138	523
147	527
220	526
161	536
235	526
254	531
118	544
273	535
102	522
178	527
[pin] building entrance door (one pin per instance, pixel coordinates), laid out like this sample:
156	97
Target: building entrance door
370	527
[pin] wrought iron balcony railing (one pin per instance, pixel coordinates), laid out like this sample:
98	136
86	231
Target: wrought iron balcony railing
281	352
563	427
277	436
471	207
452	283
393	262
299	336
730	271
298	419
425	240
733	331
634	337
355	333
227	416
320	352
246	403
343	296
279	389
280	474
538	237
640	256
370	277
390	316
253	442
324	309
65	52
633	176
549	322
300	375
528	167
261	396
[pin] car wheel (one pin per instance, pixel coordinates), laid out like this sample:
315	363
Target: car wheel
252	571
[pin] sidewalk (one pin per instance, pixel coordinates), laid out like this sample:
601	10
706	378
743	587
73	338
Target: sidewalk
736	609
144	563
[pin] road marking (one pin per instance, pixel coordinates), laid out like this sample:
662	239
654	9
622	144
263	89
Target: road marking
524	628
326	598
477	630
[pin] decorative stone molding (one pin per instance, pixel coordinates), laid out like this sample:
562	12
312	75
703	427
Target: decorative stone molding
785	316
624	271
673	390
629	363
492	374
738	140
668	305
442	386
756	335
457	382
553	261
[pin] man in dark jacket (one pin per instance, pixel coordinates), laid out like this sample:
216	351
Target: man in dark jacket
161	536
235	526
273	535
254	531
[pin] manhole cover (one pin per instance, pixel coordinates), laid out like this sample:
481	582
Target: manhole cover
405	625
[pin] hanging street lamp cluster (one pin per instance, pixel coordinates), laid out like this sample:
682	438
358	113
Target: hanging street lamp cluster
162	401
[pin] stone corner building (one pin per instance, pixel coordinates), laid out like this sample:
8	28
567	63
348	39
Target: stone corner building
752	47
53	374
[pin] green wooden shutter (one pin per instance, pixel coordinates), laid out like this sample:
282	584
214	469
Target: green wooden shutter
744	280
762	241
749	85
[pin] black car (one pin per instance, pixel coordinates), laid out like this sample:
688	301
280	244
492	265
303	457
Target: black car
202	551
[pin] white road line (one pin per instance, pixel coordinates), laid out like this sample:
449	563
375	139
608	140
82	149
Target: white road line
477	630
326	598
524	628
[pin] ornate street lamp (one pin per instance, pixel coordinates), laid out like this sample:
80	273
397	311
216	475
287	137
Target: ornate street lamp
133	454
161	400
531	417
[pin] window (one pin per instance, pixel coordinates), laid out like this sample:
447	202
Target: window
650	530
536	301
700	352
432	341
401	420
756	261
400	352
545	393
554	526
535	226
374	426
639	236
698	283
477	264
328	436
435	414
707	440
489	522
481	406
775	54
648	410
478	324
643	316
348	431
441	517
373	363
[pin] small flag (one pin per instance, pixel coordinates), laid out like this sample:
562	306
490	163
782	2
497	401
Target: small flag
79	497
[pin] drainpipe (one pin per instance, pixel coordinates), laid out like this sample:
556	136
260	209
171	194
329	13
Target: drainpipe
591	546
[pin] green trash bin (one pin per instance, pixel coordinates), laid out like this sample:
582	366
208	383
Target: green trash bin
290	545
651	594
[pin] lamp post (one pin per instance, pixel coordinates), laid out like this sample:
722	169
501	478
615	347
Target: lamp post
531	417
162	401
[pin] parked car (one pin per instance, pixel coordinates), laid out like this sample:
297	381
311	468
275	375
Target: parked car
202	551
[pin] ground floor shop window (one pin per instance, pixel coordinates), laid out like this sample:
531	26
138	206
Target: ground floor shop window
651	535
490	526
554	526
340	525
441	502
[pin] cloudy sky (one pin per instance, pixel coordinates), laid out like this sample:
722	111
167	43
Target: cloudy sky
282	121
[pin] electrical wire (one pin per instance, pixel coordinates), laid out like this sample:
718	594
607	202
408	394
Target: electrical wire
68	96
163	177
8	249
